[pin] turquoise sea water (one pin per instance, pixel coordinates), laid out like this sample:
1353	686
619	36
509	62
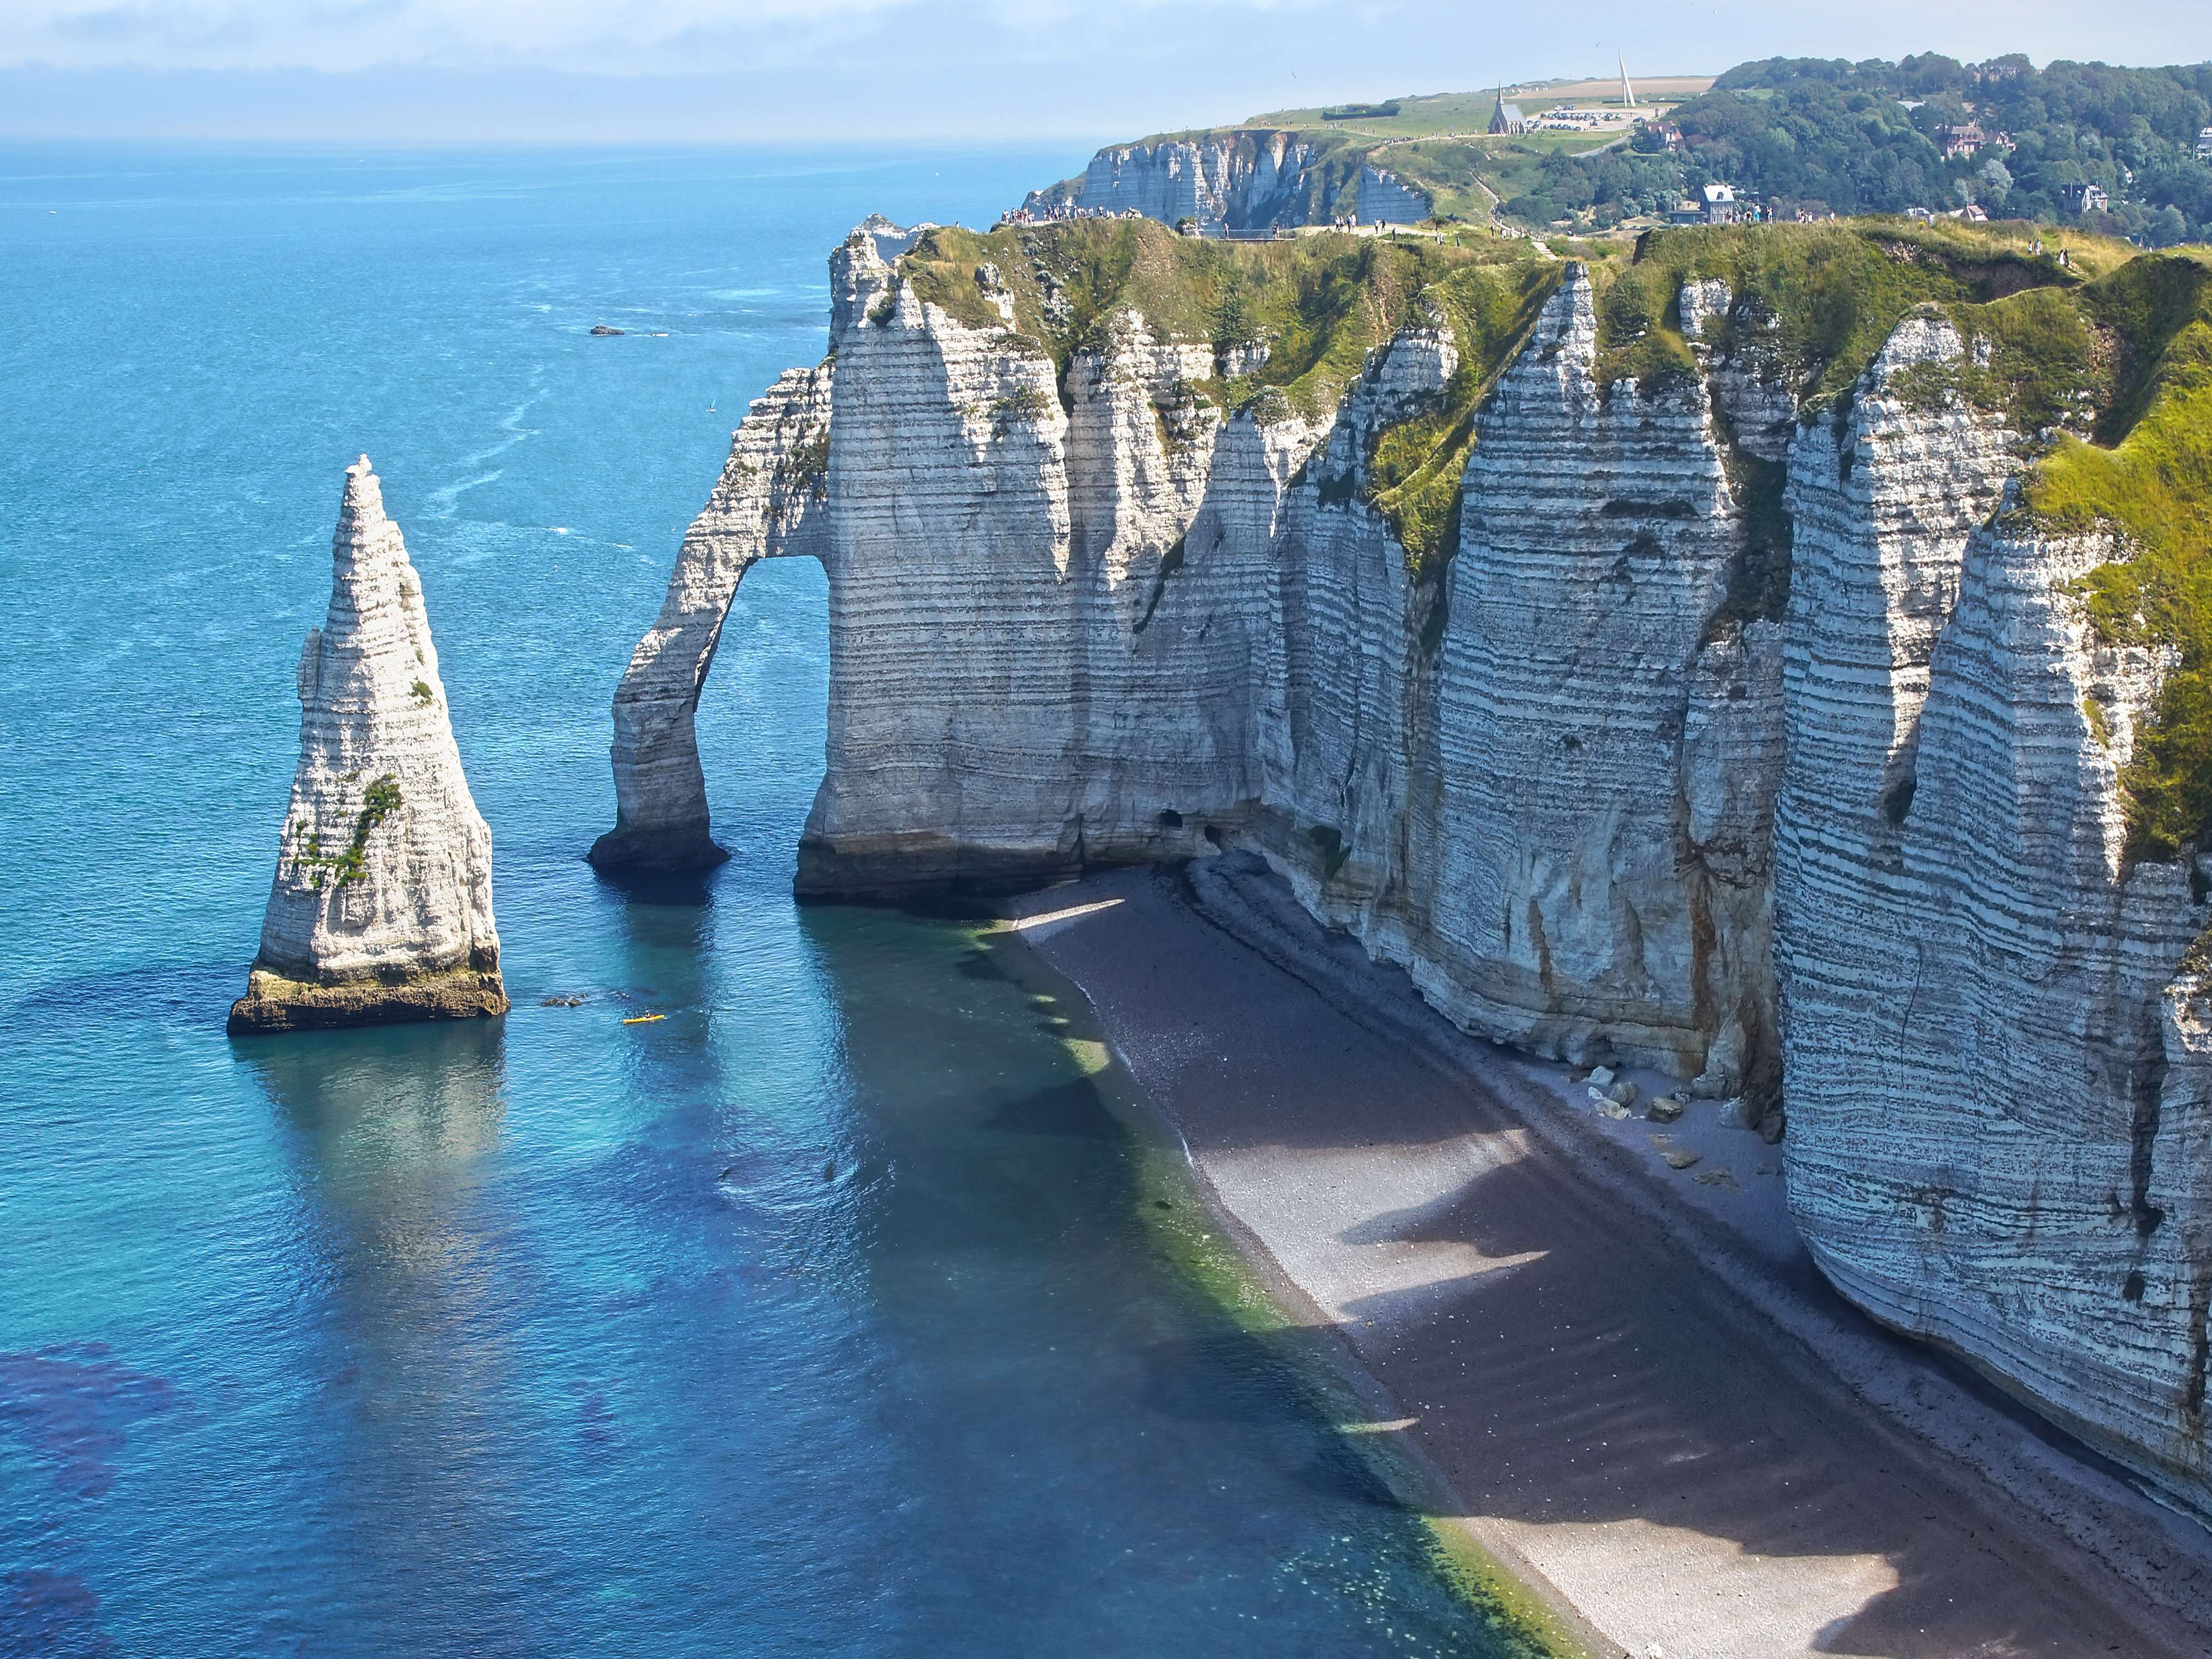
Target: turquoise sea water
818	1318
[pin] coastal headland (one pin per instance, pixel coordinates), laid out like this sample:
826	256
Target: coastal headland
1765	658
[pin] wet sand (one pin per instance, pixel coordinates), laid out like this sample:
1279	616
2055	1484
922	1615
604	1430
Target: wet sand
1640	1394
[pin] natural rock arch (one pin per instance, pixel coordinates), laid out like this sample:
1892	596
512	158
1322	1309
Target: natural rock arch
768	504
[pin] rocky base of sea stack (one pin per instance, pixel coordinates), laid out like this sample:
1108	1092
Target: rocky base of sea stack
274	1003
657	851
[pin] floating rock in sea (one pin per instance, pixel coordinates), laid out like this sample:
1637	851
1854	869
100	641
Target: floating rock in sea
1665	1109
1680	1157
382	906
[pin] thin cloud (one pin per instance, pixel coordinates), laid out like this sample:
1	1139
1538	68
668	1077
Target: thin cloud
580	36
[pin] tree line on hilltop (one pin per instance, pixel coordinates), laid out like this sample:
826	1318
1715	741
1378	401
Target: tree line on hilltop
1799	133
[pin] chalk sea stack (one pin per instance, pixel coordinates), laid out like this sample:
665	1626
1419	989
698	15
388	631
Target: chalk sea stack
381	907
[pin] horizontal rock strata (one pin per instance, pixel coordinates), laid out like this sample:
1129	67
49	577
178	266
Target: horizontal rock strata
1996	1081
380	909
765	503
1235	180
1740	744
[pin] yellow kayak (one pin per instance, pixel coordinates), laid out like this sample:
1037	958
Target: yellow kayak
643	1019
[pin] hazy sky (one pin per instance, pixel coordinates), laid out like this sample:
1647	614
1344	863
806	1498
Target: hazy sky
749	69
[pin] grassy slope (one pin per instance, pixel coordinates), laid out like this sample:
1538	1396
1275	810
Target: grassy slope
1322	301
1410	145
2146	473
2106	362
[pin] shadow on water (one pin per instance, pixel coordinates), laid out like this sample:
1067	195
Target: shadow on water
1088	1414
689	887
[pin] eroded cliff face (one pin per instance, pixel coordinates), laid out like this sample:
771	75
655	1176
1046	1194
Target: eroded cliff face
766	502
1709	738
1995	1075
381	905
1234	179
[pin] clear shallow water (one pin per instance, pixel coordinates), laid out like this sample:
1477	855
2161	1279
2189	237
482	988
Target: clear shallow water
819	1316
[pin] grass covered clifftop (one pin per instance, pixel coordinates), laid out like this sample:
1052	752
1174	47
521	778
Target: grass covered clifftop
1319	304
2102	362
2142	473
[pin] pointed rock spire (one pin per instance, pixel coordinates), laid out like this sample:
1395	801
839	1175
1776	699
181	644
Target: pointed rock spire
381	907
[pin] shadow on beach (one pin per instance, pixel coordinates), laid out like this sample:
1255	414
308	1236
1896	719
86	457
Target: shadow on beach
1571	1366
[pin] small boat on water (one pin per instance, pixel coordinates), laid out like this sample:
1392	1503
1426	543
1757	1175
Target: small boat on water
643	1019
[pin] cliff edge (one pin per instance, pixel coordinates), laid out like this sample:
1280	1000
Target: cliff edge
1774	657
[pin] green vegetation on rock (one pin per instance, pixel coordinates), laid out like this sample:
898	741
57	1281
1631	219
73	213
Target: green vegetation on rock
1812	302
1319	303
2101	361
379	802
1418	467
2145	476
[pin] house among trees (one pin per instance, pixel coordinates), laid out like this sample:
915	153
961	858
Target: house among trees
1716	204
1720	206
1964	140
2091	198
1960	143
2204	145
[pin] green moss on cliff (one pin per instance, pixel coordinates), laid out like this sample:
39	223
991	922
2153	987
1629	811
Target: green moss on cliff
2105	361
1816	301
1321	302
379	802
2146	477
1418	467
2102	362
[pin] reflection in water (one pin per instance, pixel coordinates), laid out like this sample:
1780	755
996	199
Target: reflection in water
391	1134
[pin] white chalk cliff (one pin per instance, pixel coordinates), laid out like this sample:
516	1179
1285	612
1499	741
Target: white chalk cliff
1238	179
381	905
1857	856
